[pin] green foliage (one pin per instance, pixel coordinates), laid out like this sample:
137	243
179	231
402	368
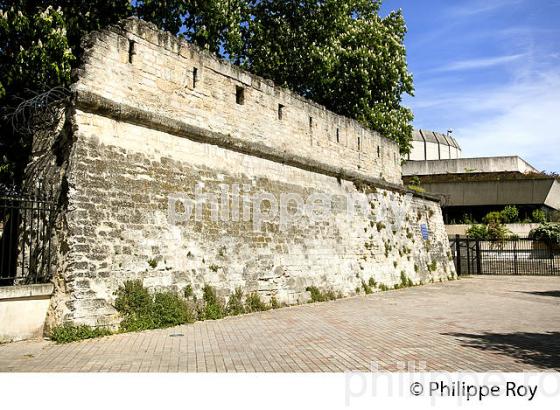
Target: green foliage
153	263
355	65
479	232
432	266
547	232
318	296
372	283
34	51
367	288
188	292
493	231
406	282
135	304
170	310
70	333
140	310
274	304
415	185
493	217
213	305
253	303
498	232
383	287
235	303
510	214
355	60
538	216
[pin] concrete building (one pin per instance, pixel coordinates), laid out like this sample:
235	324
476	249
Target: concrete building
431	145
473	187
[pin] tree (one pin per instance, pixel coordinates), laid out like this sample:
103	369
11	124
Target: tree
220	26
34	56
339	53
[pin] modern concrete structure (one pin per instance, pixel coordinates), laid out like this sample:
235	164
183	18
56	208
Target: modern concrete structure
513	164
431	145
476	186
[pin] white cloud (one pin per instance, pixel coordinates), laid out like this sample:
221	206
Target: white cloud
478	63
524	120
482	7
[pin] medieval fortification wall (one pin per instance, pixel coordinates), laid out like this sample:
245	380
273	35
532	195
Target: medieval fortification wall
158	129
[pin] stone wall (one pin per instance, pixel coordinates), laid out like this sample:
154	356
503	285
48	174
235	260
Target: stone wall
142	68
144	143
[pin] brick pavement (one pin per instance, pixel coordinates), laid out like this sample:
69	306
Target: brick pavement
475	324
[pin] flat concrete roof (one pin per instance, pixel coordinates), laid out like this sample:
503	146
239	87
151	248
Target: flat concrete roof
468	165
477	190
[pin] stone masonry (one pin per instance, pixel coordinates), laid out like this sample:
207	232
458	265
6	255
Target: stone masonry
154	121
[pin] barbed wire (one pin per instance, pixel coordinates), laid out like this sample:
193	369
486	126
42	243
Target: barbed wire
40	112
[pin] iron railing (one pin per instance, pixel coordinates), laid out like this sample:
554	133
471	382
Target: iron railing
26	228
506	257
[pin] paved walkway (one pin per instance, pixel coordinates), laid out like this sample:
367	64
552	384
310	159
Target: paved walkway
475	324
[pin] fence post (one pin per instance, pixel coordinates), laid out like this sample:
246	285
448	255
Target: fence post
458	253
469	270
478	258
515	267
551	247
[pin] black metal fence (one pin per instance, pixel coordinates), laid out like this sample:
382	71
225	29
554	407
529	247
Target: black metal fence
510	257
26	227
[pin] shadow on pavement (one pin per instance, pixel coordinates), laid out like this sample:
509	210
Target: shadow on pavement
551	293
538	349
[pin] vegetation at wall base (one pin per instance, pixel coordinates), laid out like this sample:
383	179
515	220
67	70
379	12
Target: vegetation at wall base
70	333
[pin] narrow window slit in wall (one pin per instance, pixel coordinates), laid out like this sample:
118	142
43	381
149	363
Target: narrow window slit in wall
359	144
338	135
378	151
131	50
280	111
239	95
311	123
194	77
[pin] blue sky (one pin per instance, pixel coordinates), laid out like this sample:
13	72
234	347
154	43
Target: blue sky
489	70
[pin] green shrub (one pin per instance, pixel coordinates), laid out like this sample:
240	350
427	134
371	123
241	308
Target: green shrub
188	292
367	288
153	263
547	232
510	214
492	217
213	308
318	296
274	303
498	232
406	282
372	282
432	266
235	303
539	216
383	287
135	304
170	310
70	333
254	303
142	311
479	232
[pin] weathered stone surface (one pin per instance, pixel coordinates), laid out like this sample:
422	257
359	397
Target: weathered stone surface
141	134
